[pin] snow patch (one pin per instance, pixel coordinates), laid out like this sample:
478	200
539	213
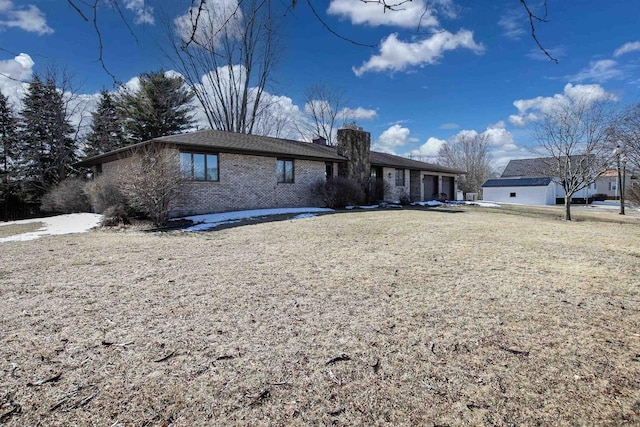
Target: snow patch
304	215
209	221
431	203
55	226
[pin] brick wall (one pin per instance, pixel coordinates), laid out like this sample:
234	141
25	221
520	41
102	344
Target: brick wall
395	192
250	182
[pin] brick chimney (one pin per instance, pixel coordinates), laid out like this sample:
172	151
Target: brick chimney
355	145
319	140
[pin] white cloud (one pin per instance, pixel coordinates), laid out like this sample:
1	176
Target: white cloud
393	138
409	15
512	24
14	75
428	150
528	109
627	48
142	10
537	54
214	16
397	55
599	71
358	113
28	18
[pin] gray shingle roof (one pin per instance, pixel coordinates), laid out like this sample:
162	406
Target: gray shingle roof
230	142
389	160
517	182
254	144
527	167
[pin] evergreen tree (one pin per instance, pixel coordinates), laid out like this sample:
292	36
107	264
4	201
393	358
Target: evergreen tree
46	144
106	129
8	139
162	106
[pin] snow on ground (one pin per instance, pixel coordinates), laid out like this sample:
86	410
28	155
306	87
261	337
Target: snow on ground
304	215
206	222
56	225
431	203
485	204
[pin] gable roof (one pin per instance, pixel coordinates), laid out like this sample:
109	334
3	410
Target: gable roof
517	182
538	167
389	160
527	167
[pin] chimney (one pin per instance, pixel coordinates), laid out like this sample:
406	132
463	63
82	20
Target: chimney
355	145
319	140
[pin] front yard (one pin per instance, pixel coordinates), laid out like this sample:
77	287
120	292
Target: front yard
440	317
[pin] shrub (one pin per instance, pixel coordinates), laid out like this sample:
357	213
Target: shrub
104	192
66	197
115	215
377	187
152	181
339	192
632	193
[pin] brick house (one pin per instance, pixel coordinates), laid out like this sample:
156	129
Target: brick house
230	171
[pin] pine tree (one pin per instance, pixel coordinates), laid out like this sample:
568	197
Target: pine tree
162	106
8	139
46	144
106	129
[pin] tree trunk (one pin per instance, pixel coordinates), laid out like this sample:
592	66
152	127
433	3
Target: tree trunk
567	207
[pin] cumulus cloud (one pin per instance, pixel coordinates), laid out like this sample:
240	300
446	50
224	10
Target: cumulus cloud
142	10
28	18
410	15
599	71
393	138
428	150
529	109
397	55
627	48
14	73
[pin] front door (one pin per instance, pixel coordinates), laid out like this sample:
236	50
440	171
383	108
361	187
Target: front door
448	188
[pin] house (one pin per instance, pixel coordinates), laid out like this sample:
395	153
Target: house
526	181
231	171
607	183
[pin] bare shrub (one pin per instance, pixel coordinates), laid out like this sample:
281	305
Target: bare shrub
632	193
339	192
67	197
115	215
151	182
377	189
104	192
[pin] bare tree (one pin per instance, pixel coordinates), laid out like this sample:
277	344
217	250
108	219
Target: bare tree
227	55
323	112
626	132
471	154
575	136
152	182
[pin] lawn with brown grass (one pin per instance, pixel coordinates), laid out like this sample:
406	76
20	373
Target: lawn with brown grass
412	317
13	229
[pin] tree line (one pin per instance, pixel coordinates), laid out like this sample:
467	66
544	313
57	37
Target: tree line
39	145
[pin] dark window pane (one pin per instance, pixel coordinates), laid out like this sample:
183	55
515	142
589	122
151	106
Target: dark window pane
185	164
212	167
198	166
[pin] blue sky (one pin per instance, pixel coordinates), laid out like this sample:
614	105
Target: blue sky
467	67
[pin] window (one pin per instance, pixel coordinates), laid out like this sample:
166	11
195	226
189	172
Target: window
284	170
512	194
328	170
199	166
399	177
613	186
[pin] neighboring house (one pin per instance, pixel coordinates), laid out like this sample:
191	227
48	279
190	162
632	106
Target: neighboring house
525	181
607	183
231	171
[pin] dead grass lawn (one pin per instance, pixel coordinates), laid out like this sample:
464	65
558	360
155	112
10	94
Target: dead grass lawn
363	318
13	229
